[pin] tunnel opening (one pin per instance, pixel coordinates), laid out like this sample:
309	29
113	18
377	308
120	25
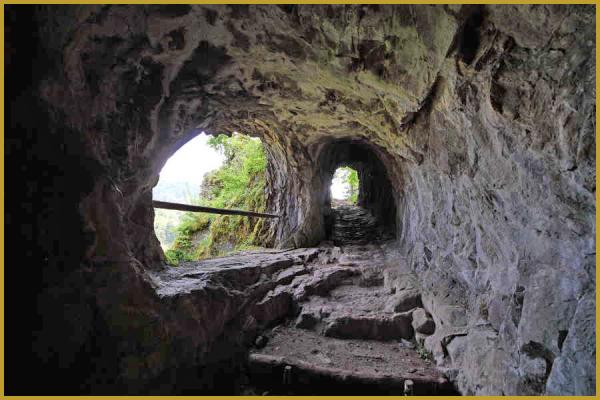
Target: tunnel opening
180	181
368	214
344	186
222	172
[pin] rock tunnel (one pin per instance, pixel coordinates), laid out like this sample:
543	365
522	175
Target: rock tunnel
376	192
472	128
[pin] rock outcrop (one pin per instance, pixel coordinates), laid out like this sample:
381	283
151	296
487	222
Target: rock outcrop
472	128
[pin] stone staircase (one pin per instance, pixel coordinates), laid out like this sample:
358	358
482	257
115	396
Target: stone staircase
354	225
352	335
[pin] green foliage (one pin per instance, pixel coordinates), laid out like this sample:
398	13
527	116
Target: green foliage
239	184
349	178
183	246
166	221
165	225
424	353
352	179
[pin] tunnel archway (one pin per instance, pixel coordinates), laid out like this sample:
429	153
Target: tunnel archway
376	194
224	172
344	186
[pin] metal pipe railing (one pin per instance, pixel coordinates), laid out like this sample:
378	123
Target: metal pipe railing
189	207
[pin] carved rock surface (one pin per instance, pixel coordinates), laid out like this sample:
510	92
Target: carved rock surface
404	300
473	127
422	322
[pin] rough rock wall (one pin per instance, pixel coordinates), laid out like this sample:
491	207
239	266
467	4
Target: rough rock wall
502	208
484	117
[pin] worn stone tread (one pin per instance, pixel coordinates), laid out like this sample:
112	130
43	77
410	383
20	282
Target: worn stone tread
358	361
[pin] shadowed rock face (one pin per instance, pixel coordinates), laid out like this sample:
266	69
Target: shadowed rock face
480	117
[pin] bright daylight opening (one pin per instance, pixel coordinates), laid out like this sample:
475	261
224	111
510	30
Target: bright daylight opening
344	186
226	172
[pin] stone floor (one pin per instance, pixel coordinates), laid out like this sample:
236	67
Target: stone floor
354	225
295	357
349	331
338	316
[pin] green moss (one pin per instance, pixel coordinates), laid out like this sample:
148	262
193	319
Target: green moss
349	177
352	180
424	353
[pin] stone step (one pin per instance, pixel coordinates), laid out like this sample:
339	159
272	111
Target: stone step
303	360
374	327
355	312
355	225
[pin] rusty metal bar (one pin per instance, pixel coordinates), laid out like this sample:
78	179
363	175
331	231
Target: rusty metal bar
189	207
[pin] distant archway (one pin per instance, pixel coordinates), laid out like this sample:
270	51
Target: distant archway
375	191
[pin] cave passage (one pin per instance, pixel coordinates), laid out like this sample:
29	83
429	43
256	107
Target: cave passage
470	128
369	215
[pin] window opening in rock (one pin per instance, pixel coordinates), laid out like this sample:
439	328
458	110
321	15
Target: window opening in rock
344	187
223	171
